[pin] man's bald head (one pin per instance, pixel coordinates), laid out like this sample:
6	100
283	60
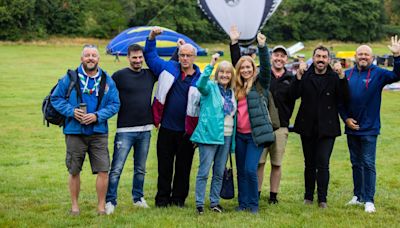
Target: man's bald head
187	54
364	57
364	48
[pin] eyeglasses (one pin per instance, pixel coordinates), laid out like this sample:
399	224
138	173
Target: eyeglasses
185	55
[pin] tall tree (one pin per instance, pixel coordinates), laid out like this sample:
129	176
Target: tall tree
348	20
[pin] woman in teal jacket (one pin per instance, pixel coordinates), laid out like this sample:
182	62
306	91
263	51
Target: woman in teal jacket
215	128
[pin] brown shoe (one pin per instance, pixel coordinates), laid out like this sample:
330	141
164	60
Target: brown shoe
322	205
308	202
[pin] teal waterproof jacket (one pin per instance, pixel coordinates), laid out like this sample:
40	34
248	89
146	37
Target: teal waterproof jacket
210	128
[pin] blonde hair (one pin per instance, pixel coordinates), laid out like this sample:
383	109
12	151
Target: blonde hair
242	86
225	65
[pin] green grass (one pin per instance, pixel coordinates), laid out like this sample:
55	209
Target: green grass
33	180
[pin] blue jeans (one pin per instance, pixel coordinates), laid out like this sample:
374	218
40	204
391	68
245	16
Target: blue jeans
210	153
140	141
247	157
363	155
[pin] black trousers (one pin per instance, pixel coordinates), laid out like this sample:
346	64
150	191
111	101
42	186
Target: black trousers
317	152
173	148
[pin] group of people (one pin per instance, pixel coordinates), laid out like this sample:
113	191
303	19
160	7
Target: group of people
226	114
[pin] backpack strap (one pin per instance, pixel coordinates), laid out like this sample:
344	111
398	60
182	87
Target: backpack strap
73	77
103	84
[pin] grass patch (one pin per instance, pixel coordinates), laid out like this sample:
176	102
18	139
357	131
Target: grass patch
33	184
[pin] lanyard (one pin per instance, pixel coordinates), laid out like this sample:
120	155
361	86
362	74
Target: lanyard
368	76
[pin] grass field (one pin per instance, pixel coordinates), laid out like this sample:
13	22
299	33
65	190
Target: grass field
33	184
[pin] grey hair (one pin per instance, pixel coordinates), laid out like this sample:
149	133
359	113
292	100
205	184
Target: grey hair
91	46
189	45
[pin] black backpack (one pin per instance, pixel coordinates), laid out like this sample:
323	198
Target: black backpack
51	115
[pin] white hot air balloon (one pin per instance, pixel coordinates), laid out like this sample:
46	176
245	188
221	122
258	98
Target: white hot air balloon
248	15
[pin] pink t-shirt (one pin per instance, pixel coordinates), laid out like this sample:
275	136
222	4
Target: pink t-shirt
243	121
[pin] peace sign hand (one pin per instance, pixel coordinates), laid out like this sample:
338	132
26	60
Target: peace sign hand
395	47
337	67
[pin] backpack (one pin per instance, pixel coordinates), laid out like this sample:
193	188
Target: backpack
50	114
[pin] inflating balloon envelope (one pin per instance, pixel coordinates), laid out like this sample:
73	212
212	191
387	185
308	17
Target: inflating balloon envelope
248	15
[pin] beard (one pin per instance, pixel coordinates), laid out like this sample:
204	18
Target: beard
87	68
320	70
136	66
364	65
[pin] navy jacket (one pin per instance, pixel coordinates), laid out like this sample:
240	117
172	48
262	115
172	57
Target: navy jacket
366	96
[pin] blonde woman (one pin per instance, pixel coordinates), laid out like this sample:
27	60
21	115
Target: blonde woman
254	130
214	131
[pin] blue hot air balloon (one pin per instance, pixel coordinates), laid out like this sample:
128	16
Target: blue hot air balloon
166	42
248	15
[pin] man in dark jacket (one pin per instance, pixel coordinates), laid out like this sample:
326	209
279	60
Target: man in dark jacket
322	91
362	119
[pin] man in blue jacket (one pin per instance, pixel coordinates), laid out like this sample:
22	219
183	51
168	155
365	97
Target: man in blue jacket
362	118
87	130
175	114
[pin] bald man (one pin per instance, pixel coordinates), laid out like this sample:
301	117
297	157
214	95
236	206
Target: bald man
175	113
362	118
86	130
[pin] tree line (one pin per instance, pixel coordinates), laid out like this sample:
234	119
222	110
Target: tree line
346	20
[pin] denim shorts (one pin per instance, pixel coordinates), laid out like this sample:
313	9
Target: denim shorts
95	145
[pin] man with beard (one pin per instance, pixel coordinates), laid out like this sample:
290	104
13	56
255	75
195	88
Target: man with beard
91	103
134	125
362	118
322	93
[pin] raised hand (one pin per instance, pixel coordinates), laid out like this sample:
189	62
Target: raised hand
214	59
234	34
180	42
302	68
395	47
155	31
261	39
337	67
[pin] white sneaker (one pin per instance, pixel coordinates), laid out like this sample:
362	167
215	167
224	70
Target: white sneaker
109	208
141	203
354	201
369	207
